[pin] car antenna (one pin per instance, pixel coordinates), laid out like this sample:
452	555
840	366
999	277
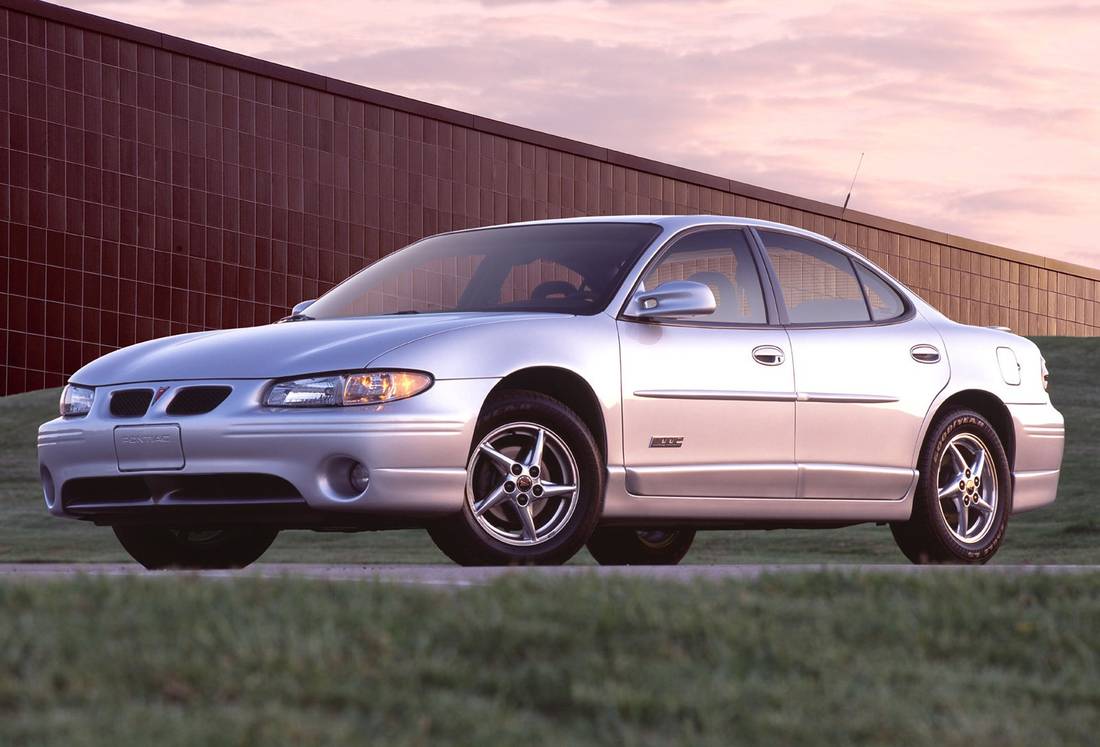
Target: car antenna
844	207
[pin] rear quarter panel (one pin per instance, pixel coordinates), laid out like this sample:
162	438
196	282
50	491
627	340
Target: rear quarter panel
972	353
1038	426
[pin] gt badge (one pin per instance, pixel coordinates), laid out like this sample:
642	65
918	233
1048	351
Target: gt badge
666	442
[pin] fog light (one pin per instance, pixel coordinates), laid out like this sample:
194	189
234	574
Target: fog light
359	477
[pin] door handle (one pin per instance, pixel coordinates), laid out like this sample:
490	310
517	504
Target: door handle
925	354
768	355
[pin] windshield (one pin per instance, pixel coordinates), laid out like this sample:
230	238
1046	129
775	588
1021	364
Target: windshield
571	268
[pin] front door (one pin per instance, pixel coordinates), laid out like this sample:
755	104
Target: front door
708	401
866	368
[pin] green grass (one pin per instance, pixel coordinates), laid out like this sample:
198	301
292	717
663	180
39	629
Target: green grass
936	659
941	658
1068	532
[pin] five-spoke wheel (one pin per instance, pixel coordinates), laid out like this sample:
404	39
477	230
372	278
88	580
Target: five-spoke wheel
967	488
964	494
534	489
627	546
522	485
159	548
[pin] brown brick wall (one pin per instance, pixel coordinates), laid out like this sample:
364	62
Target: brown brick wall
151	186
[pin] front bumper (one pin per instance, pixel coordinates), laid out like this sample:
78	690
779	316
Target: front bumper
415	450
1040	440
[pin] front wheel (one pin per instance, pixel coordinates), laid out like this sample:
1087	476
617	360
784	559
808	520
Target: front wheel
624	546
158	548
534	489
964	495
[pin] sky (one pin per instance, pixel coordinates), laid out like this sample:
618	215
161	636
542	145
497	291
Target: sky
979	118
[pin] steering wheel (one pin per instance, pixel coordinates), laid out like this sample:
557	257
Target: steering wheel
544	290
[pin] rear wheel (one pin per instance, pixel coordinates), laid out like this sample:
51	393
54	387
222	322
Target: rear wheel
625	546
158	548
534	490
964	496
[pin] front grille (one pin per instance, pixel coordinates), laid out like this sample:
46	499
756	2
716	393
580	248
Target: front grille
196	400
131	403
89	493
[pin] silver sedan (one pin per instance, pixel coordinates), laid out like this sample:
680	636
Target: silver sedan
523	390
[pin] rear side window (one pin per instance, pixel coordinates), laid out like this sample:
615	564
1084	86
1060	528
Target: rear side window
884	301
721	260
819	284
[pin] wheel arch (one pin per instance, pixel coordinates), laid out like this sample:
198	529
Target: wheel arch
567	387
989	406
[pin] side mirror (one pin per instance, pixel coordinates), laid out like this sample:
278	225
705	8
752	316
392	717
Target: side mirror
300	308
674	298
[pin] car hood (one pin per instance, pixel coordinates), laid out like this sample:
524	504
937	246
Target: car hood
274	350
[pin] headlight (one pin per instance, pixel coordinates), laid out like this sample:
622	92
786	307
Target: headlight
383	386
373	388
76	401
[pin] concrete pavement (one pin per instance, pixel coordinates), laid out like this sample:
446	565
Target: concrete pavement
457	576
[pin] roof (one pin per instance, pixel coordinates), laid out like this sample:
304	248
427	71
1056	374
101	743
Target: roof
672	222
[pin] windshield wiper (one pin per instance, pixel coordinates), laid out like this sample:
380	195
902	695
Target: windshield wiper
405	311
296	318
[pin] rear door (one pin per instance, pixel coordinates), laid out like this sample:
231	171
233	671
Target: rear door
866	368
708	401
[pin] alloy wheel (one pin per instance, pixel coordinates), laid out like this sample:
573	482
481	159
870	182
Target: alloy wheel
656	539
523	483
967	488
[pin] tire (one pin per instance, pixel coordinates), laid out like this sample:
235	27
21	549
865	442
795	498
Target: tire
158	548
979	502
625	546
558	521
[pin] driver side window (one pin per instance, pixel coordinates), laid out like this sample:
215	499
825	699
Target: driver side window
720	259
